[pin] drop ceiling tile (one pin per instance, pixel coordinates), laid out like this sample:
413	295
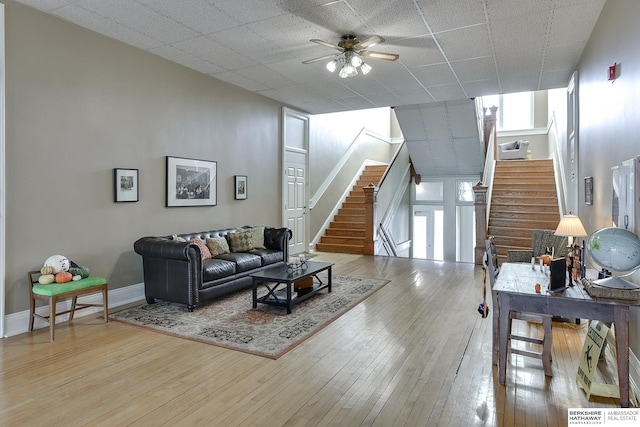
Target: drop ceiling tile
241	81
390	19
248	11
176	55
435	75
209	50
480	68
416	51
47	5
198	15
482	88
464	43
266	77
85	18
557	79
335	16
132	14
447	15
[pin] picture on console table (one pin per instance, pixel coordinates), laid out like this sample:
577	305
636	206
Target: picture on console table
241	187
191	182
125	185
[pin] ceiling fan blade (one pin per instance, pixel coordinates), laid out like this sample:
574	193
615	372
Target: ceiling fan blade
310	61
380	55
368	42
327	44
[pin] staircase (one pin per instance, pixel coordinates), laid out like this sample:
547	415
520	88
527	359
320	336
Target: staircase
523	198
346	232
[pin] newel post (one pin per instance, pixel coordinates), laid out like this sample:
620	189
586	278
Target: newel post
370	192
480	191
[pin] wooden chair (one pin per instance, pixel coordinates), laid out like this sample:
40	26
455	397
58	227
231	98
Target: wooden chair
61	291
492	271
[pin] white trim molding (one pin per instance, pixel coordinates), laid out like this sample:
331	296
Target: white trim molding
2	174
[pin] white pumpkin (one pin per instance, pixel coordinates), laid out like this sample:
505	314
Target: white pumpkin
46	279
58	262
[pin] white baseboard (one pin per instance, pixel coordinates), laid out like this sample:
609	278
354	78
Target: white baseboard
18	323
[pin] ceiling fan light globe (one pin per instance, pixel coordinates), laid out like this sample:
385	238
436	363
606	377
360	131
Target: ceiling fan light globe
356	61
331	65
365	68
348	70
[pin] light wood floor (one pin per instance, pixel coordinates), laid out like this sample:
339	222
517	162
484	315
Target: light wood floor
416	353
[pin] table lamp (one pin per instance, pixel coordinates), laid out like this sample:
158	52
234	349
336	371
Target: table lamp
570	226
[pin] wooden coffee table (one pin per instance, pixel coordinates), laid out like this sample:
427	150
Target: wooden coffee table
285	296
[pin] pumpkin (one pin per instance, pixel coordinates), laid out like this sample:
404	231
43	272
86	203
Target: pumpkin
58	262
80	271
63	277
546	259
47	269
76	278
84	272
46	279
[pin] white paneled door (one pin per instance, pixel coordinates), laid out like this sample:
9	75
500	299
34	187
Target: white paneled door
295	195
296	206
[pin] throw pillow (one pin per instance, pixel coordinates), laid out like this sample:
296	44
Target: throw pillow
204	250
240	241
178	238
257	237
217	246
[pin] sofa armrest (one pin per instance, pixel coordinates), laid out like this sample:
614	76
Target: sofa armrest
519	255
278	239
161	247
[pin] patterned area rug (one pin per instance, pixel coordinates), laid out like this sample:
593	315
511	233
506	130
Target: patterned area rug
264	331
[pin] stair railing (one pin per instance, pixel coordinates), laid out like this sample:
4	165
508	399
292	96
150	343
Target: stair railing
388	198
558	165
484	189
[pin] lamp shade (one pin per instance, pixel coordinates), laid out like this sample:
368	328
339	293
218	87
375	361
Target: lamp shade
570	226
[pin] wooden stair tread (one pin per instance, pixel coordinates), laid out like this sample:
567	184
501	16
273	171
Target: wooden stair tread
524	198
346	232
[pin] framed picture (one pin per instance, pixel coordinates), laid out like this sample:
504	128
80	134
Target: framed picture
241	187
191	182
588	190
125	185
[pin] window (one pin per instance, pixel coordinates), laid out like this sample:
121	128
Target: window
430	191
465	192
515	110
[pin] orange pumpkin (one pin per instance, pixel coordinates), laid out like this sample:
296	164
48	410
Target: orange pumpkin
546	259
63	277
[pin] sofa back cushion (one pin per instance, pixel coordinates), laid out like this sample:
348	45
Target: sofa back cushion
240	241
204	251
217	246
257	237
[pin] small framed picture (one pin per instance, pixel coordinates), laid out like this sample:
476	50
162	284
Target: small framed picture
191	182
588	190
241	187
125	185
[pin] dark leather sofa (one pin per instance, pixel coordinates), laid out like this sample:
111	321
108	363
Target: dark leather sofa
175	271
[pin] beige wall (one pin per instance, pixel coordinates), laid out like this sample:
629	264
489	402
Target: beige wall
80	104
609	122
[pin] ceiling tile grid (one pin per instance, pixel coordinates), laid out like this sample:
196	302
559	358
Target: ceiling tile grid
449	49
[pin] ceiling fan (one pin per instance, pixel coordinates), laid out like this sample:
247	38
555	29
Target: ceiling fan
352	52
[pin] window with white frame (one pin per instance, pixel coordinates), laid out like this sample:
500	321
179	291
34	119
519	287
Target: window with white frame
515	110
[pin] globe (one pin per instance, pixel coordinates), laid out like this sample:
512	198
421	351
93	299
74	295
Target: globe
617	250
